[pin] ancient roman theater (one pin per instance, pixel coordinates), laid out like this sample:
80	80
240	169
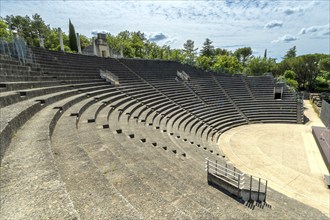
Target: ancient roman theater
87	137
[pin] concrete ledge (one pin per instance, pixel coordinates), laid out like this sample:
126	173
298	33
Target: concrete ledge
322	137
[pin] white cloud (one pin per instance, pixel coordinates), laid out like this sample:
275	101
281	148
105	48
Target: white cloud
273	24
294	7
285	39
317	31
162	38
156	37
225	23
290	11
95	32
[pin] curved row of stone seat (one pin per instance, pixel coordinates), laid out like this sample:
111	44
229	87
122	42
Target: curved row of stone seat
11	97
236	89
152	73
103	162
122	136
187	99
151	76
122	152
283	110
240	93
37	148
131	129
262	87
132	102
20	100
176	101
16	114
102	199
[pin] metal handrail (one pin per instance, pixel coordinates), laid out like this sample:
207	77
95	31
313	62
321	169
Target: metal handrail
235	178
225	170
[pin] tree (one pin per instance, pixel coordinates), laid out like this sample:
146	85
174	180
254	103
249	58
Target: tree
265	54
291	53
229	64
52	41
189	51
243	54
297	65
204	62
289	77
38	28
29	28
23	27
307	67
312	71
4	33
72	37
177	55
220	51
257	66
208	48
324	64
137	43
289	74
84	41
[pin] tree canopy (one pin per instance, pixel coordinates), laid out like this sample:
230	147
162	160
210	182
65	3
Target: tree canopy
189	51
4	32
291	53
243	54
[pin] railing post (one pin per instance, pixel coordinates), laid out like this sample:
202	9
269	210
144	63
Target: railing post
239	182
242	180
216	166
250	187
265	191
207	165
258	189
226	170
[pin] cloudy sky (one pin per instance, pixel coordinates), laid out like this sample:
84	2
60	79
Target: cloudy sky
273	25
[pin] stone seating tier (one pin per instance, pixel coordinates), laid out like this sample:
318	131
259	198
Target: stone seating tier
76	147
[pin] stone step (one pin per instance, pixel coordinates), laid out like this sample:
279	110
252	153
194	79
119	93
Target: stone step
151	204
31	187
99	199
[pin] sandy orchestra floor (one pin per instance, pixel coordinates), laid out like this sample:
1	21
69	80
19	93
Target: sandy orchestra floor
284	154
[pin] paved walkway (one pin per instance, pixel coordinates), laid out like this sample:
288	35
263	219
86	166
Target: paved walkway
284	154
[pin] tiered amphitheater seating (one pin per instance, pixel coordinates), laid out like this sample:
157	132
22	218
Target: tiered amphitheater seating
256	103
76	147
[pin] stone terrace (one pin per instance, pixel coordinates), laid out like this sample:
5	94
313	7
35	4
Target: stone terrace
76	147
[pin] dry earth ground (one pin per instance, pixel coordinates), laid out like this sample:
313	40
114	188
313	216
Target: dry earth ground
284	154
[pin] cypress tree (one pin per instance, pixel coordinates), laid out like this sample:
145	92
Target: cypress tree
72	37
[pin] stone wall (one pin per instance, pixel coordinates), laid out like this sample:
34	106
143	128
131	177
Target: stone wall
325	113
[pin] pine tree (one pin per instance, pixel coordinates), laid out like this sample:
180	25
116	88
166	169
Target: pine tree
243	54
189	51
72	37
265	54
292	52
208	48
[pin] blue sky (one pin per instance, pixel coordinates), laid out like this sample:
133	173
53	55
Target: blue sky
273	25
